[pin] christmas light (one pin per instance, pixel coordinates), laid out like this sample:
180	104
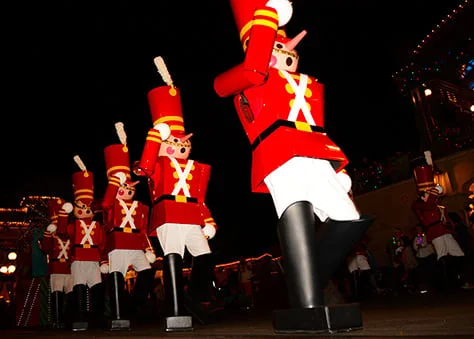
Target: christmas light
434	32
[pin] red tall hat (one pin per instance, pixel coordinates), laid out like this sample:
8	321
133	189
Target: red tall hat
249	12
83	183
165	108
424	177
117	159
83	186
54	206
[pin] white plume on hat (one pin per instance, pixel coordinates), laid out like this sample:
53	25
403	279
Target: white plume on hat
163	128
163	70
121	133
80	163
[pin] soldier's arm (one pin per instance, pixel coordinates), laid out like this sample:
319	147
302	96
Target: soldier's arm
254	70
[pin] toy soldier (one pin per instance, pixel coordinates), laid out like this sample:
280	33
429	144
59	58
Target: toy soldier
88	241
57	244
126	232
180	218
431	216
294	160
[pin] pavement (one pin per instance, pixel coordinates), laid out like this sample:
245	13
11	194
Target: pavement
416	316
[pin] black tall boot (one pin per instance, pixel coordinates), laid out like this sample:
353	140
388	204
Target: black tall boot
307	270
200	282
97	306
57	302
117	286
142	289
335	239
80	319
175	320
70	309
443	268
198	298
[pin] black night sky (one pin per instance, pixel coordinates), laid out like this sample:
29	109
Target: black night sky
71	69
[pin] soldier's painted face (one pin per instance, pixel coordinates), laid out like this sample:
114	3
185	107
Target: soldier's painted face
284	56
284	59
175	147
126	191
82	210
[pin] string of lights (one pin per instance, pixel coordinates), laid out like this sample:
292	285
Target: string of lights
434	33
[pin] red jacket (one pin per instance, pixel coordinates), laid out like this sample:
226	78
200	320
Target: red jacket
429	215
175	201
88	240
58	249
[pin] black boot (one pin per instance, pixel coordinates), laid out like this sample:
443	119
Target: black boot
200	283
57	309
297	233
141	291
97	306
335	239
198	298
70	309
80	319
175	320
444	274
117	287
309	264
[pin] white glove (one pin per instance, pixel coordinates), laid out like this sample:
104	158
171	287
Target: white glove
150	256
399	250
67	207
104	268
122	177
51	228
439	188
344	180
209	231
164	130
284	10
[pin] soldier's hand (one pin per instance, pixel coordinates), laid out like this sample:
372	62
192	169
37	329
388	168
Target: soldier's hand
209	231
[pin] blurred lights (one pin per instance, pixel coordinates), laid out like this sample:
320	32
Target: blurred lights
428	92
3	269
12	256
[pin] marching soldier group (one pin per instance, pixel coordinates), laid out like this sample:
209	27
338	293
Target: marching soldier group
294	160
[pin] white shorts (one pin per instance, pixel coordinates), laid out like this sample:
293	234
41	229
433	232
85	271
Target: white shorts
120	260
359	262
61	282
174	238
313	180
85	273
445	245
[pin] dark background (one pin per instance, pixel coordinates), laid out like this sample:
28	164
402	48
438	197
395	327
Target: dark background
71	69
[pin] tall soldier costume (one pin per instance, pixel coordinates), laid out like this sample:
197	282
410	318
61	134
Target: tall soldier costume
431	216
294	160
179	218
56	243
88	241
125	225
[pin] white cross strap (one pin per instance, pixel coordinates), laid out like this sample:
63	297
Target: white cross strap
128	218
64	247
87	230
182	175
300	101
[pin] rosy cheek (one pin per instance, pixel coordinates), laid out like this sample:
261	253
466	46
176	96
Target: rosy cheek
170	150
273	61
120	192
79	212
